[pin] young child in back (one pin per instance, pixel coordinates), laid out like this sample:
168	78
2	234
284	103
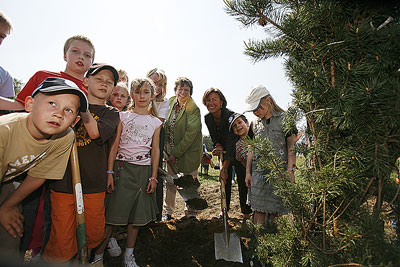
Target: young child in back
120	98
123	77
134	160
37	143
78	55
94	136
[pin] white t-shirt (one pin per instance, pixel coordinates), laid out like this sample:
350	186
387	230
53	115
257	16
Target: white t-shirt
162	108
136	137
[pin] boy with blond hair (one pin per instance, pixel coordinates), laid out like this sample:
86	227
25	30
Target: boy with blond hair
38	144
94	136
78	55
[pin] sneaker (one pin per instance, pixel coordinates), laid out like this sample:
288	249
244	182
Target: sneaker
97	263
113	249
130	261
166	217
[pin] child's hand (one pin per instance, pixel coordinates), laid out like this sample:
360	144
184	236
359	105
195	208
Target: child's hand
12	220
248	180
110	183
152	185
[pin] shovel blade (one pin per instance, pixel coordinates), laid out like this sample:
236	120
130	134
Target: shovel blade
228	250
192	198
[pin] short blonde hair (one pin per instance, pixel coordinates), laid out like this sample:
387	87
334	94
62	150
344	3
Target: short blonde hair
123	73
78	38
161	77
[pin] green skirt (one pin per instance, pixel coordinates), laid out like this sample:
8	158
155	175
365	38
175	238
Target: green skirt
129	203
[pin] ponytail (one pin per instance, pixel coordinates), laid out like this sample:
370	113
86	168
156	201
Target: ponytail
152	109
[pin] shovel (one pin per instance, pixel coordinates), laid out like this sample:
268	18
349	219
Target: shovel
185	181
187	188
227	246
80	210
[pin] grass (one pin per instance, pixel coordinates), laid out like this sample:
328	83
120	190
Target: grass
213	174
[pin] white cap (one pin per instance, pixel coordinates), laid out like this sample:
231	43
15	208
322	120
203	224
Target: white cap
253	98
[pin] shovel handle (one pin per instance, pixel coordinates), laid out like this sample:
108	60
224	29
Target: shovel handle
223	192
170	165
80	210
223	205
163	172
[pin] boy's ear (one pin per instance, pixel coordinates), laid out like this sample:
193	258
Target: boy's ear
29	100
76	120
65	57
85	81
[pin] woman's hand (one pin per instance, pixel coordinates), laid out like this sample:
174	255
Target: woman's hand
152	185
247	180
223	175
110	183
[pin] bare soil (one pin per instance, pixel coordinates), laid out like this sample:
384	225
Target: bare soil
182	242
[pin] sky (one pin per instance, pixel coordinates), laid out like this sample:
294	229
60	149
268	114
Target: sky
191	38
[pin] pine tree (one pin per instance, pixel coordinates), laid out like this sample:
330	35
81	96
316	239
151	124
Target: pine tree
343	60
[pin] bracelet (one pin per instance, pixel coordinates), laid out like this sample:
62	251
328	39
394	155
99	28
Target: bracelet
153	179
110	172
224	170
291	169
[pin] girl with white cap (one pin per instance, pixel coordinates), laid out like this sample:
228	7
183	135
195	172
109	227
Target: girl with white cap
262	198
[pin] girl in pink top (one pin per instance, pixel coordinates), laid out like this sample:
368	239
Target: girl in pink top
133	164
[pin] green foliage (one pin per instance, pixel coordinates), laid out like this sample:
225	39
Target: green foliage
208	142
342	58
18	85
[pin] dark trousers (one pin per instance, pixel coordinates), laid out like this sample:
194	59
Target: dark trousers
160	184
29	209
240	171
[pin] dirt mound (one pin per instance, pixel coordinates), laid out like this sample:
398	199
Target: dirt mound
183	242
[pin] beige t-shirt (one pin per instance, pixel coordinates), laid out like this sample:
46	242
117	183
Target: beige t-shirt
20	152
